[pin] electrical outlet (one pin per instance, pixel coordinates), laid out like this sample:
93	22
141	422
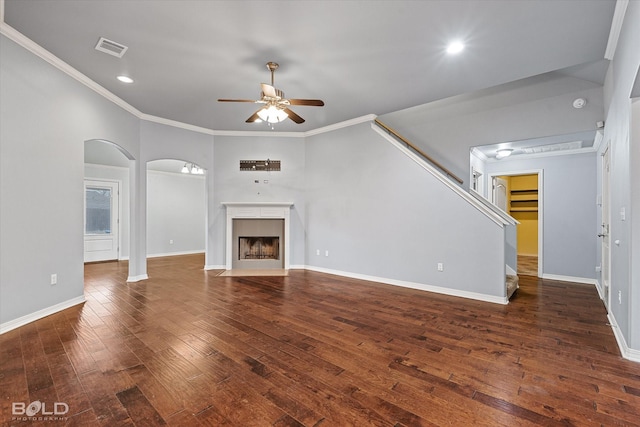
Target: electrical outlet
619	297
54	279
171	242
326	252
317	251
440	266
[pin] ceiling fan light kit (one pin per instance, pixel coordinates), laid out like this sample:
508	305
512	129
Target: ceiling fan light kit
276	106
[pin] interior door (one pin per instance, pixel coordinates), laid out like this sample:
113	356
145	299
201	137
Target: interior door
604	233
101	220
500	193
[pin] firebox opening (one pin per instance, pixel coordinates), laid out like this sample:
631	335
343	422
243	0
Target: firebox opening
258	248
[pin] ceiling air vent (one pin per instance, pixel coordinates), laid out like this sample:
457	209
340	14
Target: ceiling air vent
111	47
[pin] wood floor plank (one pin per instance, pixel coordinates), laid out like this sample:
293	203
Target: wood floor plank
190	348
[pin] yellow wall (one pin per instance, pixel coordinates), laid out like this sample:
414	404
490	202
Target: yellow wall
525	211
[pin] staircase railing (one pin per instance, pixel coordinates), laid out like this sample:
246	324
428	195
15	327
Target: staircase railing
419	152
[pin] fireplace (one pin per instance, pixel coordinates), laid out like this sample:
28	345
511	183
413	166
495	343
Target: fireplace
263	247
257	235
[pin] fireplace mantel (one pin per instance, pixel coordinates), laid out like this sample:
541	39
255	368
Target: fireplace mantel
266	210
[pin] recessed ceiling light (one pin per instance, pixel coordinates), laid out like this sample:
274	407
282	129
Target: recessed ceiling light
579	103
125	79
504	152
455	47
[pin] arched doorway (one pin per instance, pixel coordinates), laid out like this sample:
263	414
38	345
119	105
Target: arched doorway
106	202
176	208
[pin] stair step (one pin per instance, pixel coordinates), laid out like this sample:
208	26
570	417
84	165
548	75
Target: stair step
512	284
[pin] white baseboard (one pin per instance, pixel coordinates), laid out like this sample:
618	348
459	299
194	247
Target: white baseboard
583	280
627	353
132	279
215	267
599	289
511	271
126	258
413	285
297	267
174	254
21	321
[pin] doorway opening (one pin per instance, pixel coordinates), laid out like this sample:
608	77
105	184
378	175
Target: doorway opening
101	220
176	208
519	195
106	202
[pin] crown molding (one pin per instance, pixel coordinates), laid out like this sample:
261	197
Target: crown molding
44	54
175	124
616	27
258	133
340	125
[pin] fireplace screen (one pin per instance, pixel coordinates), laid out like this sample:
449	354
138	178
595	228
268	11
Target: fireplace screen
259	248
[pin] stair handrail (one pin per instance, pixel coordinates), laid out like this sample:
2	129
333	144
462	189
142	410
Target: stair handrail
419	152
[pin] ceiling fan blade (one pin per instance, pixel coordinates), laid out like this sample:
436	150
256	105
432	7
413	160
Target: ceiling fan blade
253	118
269	90
293	116
310	102
237	100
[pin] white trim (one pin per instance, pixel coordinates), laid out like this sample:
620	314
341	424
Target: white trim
168	254
562	278
340	125
132	279
597	141
496	217
413	285
177	173
616	27
479	154
600	291
215	267
511	271
625	351
44	54
516	157
174	123
266	210
540	173
32	317
260	133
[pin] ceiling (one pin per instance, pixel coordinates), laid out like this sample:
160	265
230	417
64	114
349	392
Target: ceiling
360	57
552	145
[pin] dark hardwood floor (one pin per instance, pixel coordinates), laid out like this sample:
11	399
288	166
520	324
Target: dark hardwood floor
189	348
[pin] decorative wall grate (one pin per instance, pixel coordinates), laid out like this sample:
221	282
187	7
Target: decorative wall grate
260	165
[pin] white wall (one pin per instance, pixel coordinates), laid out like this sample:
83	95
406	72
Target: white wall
570	244
624	159
540	106
45	118
175	212
159	141
232	185
380	214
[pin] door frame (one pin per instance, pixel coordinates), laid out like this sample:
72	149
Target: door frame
540	173
119	211
605	206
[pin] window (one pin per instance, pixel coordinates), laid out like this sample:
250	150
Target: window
98	210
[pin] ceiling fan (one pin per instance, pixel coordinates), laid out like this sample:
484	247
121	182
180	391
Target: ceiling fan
276	106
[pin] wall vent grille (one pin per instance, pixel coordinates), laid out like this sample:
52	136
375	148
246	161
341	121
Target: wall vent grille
111	47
